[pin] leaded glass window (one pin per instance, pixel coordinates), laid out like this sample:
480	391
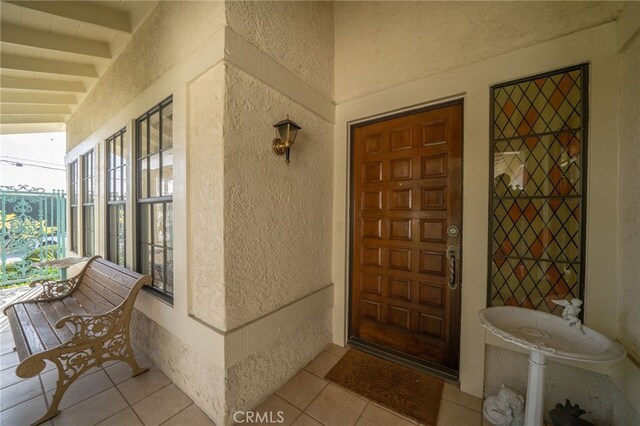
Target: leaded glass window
88	201
154	157
116	198
538	172
73	204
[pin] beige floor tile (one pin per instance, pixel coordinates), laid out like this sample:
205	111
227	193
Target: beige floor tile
9	360
454	394
162	405
322	364
335	406
125	417
140	387
374	415
20	392
6	342
274	410
191	416
8	377
302	389
305	420
337	350
83	388
92	410
452	414
24	413
119	372
142	359
50	378
402	416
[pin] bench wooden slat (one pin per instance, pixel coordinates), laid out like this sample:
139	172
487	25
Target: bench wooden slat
102	304
33	342
52	317
62	311
18	334
47	335
119	275
120	289
73	306
104	292
86	303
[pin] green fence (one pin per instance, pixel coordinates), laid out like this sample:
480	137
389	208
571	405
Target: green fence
33	230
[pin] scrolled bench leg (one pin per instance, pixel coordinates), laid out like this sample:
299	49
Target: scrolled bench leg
61	388
130	359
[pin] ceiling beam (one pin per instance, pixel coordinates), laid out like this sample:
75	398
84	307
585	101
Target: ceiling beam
22	109
48	66
81	12
41	85
15	128
37	98
25	36
33	118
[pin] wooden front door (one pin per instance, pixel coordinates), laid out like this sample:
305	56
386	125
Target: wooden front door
407	195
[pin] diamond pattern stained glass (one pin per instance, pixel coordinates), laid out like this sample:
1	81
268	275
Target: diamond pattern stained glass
538	176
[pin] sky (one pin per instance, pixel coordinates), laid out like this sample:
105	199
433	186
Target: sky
41	156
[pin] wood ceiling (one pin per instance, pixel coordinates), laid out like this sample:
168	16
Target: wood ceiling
53	52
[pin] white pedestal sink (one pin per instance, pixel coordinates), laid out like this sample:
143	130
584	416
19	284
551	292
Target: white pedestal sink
546	335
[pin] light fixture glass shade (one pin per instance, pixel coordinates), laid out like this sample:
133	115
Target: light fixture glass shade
288	130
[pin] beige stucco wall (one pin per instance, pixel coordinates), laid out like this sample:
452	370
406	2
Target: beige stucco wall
297	35
384	44
170	33
629	198
277	224
205	198
262	373
202	379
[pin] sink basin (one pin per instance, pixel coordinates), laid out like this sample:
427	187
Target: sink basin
546	335
550	334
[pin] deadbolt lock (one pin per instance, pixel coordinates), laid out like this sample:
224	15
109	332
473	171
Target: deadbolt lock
453	231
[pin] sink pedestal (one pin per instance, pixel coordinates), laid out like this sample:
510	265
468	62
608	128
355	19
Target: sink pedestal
534	405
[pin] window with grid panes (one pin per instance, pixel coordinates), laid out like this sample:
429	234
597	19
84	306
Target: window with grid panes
73	205
538	170
154	166
116	198
88	201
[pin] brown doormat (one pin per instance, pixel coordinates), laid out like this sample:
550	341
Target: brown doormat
404	390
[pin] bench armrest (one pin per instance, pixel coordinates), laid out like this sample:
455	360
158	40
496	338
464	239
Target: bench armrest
54	290
91	327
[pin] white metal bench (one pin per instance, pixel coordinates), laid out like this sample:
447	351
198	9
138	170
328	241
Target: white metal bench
77	324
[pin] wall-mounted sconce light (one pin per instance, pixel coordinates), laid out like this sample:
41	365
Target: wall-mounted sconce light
288	130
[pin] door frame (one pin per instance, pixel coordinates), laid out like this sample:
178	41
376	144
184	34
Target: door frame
378	350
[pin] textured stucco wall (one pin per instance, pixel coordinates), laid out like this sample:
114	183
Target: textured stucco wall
383	44
255	378
171	32
205	197
595	393
277	217
629	197
298	35
200	379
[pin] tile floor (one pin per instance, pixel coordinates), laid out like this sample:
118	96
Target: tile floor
309	400
103	396
110	396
